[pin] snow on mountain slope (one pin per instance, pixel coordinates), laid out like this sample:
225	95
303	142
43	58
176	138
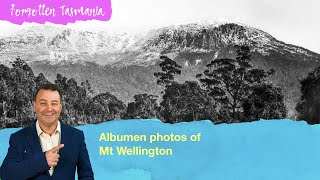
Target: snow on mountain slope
56	44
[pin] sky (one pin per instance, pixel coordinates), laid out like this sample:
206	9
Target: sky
291	21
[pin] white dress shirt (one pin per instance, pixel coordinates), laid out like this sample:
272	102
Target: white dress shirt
48	142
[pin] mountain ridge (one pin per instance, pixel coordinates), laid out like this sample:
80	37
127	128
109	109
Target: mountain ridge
57	44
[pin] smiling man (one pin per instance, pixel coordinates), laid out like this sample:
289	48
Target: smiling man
48	148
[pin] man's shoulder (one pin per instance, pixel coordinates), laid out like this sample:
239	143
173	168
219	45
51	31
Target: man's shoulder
70	128
24	132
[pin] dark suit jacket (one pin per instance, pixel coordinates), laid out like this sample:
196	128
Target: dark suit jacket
26	161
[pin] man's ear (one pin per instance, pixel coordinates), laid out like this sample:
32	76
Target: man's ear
34	105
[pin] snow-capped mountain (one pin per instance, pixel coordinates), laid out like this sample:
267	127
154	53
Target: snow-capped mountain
210	37
56	44
124	63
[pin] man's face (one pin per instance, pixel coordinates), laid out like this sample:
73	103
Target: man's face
47	107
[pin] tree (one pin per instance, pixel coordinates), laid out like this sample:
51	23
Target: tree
265	101
231	81
5	93
169	68
108	106
308	107
186	102
144	107
17	88
40	79
86	85
61	81
76	100
5	98
21	80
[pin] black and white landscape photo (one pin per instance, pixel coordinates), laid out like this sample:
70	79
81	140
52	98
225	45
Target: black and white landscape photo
167	67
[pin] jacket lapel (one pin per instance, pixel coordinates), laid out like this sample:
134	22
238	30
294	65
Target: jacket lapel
33	139
63	152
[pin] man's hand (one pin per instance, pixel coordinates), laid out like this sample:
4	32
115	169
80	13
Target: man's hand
52	155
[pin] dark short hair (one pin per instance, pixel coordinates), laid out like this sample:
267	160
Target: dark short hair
51	87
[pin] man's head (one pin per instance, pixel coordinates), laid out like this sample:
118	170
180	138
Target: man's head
47	104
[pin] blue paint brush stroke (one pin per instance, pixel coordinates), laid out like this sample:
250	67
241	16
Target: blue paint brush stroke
260	150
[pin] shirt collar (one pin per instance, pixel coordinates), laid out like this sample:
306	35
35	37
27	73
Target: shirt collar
39	130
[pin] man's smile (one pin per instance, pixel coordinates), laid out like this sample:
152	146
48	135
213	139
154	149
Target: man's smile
48	114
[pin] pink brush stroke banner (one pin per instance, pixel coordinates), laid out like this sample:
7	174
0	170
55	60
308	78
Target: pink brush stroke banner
54	11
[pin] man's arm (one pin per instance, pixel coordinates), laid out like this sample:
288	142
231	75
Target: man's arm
84	166
15	168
